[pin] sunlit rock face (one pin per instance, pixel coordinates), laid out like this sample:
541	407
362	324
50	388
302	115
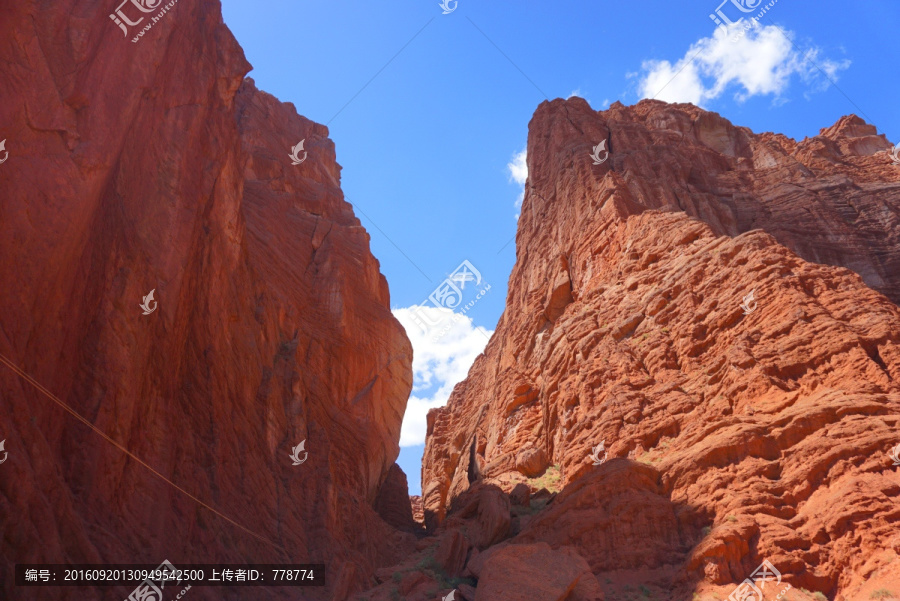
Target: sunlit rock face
719	308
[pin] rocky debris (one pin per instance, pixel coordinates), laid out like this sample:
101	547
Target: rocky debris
467	592
452	552
488	506
531	462
414	584
612	504
746	382
418	510
157	166
520	494
536	572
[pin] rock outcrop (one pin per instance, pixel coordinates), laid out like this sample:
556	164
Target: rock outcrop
831	199
394	504
155	165
716	307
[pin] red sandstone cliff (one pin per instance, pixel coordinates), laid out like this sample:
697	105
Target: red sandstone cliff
732	437
156	166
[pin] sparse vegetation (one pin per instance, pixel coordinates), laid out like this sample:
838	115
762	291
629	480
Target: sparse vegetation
550	480
429	565
428	562
707	530
731	518
881	593
648	459
820	596
455	582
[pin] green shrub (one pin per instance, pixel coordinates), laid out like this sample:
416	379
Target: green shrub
550	480
428	562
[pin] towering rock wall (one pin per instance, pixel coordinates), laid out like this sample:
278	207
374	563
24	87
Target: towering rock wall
831	199
155	165
734	434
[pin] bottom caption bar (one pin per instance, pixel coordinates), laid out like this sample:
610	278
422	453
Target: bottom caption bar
154	579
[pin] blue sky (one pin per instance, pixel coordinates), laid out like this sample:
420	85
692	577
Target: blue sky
429	110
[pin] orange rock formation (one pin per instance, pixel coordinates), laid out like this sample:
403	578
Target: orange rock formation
735	434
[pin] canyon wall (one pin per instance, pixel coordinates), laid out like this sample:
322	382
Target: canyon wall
155	165
735	428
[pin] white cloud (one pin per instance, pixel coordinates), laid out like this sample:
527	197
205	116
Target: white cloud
518	168
759	63
439	363
518	173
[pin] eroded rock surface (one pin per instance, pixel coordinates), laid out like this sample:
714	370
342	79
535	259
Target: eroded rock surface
733	435
157	166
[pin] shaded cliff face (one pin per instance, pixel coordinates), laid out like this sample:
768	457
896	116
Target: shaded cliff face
733	436
156	166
